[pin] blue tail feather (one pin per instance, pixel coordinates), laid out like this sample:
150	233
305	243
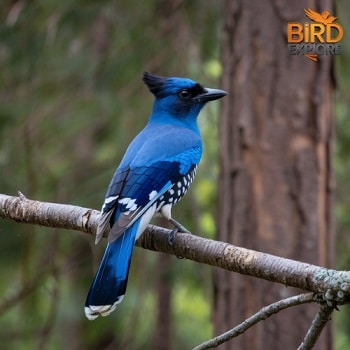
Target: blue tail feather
109	285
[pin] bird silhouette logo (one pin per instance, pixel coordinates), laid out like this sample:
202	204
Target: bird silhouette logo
317	17
319	36
322	17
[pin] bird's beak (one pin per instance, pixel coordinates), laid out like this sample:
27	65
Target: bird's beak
211	95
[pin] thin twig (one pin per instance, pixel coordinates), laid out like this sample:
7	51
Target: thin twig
319	322
261	315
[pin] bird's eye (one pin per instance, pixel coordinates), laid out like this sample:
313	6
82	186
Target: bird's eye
185	94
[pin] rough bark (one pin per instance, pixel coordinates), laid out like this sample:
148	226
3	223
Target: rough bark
328	284
275	183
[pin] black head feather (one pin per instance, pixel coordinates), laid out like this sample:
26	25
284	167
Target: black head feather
155	83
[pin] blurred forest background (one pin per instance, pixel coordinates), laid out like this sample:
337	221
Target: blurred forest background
71	99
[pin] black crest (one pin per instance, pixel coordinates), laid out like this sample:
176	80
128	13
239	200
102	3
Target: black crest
155	83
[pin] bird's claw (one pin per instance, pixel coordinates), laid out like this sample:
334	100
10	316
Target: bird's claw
172	236
171	239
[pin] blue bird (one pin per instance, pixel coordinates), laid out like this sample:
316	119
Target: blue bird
155	172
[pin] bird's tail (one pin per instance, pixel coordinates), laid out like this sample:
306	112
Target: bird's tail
109	285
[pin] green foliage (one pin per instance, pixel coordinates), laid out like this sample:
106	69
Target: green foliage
71	100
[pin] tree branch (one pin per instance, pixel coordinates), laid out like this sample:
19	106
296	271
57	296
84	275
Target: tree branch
261	315
319	322
330	285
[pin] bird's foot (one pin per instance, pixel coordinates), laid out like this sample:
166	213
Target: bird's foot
172	236
178	226
171	239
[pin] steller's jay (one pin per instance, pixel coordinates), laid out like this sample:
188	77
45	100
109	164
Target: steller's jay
155	172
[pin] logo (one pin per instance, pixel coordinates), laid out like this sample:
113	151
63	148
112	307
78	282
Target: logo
321	36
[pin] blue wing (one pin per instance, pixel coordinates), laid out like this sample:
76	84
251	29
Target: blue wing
142	179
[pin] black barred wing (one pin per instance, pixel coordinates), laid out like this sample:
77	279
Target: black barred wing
133	191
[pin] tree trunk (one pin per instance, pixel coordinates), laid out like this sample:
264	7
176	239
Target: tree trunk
275	182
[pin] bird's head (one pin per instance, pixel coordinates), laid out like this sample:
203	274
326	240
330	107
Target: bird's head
178	100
